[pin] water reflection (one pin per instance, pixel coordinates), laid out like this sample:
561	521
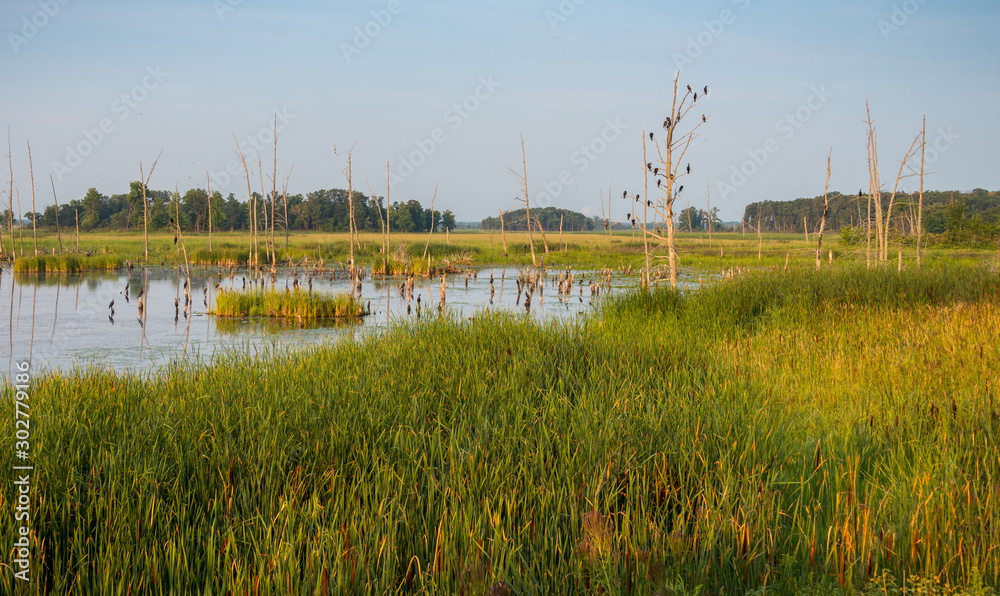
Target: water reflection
103	325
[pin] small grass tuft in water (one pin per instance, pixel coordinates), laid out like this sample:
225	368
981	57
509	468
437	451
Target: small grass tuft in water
275	303
66	263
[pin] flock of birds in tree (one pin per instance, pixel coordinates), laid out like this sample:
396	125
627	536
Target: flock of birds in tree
667	125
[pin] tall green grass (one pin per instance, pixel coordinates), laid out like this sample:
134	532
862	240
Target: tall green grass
275	303
787	433
66	263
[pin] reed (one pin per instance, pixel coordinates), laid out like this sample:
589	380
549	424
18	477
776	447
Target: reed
67	263
275	303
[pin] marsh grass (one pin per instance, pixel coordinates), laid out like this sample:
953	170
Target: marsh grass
296	304
66	263
780	433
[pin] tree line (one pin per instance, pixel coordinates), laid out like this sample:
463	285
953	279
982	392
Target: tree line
550	218
321	210
943	211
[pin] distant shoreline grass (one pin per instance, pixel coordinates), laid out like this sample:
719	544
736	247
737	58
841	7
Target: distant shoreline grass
831	432
297	304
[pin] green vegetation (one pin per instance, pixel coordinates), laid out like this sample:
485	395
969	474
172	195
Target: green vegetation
802	432
296	304
550	219
66	263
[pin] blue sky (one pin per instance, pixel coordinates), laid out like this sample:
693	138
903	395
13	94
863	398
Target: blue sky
443	90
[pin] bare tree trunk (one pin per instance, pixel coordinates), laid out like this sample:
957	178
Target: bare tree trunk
885	239
274	195
208	182
431	233
876	188
246	171
56	199
711	224
826	209
503	234
77	230
645	205
145	206
920	207
527	204
34	211
10	197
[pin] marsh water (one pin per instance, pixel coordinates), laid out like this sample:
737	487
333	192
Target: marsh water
67	321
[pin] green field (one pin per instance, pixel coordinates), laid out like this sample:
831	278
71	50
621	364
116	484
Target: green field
826	432
580	250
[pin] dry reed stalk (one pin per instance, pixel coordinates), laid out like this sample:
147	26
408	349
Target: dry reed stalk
284	199
34	211
20	226
56	199
826	209
560	233
77	211
760	239
545	241
805	227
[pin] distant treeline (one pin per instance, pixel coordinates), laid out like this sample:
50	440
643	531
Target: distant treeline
322	210
548	217
943	211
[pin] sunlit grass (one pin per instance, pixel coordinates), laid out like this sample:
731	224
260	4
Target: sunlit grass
297	304
785	433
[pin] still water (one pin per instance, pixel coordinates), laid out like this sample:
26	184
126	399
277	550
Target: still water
65	321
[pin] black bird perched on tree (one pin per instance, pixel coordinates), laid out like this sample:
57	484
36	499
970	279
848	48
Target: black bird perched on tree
696	96
680	189
175	239
689	88
689	169
706	89
649	203
625	195
658	183
111	304
650	136
628	216
703	118
171	221
656	171
666	123
649	166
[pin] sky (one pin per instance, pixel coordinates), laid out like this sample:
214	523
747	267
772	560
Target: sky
443	92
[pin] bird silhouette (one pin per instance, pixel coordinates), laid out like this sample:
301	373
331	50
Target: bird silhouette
666	123
689	88
706	89
680	189
111	304
650	136
649	166
625	195
696	96
658	183
689	169
656	171
703	118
